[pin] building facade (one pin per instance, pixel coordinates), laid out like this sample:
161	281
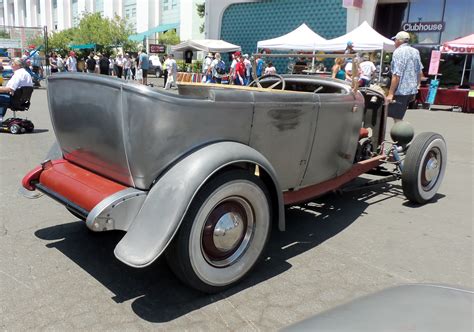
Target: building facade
141	15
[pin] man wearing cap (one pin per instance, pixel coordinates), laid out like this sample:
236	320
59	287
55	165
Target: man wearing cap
406	76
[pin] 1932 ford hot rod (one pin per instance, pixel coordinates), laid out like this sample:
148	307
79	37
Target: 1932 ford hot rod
200	176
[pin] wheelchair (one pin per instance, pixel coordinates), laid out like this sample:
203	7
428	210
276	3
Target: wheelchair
20	101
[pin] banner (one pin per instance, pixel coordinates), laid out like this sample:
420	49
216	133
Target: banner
157	48
434	84
434	62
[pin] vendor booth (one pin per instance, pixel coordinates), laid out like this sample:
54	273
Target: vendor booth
205	45
300	39
363	38
455	97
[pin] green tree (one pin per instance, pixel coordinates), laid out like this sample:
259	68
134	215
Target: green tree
61	40
109	33
92	29
170	37
201	11
4	34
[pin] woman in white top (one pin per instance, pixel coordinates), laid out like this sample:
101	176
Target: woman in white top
270	70
71	62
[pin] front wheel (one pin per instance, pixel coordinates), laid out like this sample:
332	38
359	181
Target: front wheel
15	129
223	233
424	167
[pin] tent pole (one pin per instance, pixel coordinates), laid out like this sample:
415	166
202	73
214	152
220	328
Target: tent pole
464	70
381	65
312	62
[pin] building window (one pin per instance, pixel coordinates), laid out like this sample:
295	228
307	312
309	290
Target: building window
55	3
165	5
174	4
458	19
38	6
426	11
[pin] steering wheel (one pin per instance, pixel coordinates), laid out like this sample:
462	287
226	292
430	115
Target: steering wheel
281	80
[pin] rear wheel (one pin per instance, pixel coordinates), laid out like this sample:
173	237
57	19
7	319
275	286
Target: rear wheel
30	128
424	167
223	233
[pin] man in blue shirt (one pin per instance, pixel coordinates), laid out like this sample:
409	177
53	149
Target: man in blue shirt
406	76
144	65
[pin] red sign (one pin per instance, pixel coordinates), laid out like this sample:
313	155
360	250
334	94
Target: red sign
463	49
157	48
434	62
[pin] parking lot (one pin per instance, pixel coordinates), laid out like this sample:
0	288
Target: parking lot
55	274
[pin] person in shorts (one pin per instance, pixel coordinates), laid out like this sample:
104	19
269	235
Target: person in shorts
406	76
144	65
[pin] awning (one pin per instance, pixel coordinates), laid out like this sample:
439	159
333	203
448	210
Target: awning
83	46
464	45
160	28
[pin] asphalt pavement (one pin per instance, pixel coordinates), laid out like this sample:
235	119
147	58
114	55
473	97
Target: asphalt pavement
57	275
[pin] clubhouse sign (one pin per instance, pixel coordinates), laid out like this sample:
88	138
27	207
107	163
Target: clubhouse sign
423	26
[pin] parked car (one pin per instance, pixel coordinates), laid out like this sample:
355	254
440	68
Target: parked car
201	175
156	67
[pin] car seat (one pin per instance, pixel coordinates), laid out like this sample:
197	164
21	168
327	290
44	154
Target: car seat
19	102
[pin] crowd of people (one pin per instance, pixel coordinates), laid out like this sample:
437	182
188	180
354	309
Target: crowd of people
214	69
365	68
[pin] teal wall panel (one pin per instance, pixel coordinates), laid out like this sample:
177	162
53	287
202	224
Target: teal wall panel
245	24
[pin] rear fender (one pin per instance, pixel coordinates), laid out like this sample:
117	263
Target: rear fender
168	201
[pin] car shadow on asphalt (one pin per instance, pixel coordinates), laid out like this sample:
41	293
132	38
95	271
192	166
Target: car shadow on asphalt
158	296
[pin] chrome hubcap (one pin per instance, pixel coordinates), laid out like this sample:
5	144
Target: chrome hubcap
431	170
227	231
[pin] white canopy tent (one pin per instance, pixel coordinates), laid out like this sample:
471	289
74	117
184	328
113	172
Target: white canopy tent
206	45
363	38
301	39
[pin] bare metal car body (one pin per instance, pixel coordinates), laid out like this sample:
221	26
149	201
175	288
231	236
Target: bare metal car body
224	157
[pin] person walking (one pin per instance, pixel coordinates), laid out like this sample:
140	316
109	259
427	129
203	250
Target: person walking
270	70
53	61
126	66
260	64
367	70
119	60
248	69
406	76
133	66
90	64
233	64
337	70
144	65
172	72
71	62
239	72
217	69
103	65
60	63
165	69
206	68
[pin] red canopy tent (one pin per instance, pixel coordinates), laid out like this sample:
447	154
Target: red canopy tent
464	45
